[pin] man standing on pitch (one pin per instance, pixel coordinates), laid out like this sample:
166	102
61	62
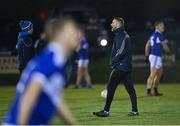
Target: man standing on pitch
121	64
25	46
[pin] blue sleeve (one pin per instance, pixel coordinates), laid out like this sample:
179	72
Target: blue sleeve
47	73
46	67
48	64
43	72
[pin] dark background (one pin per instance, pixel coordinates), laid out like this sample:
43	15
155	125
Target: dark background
139	10
137	14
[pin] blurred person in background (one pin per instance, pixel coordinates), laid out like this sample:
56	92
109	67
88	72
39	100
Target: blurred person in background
153	52
121	63
24	45
39	91
40	43
70	69
83	62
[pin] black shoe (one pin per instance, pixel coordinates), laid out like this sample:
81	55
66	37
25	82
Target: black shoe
88	86
149	94
83	85
158	94
77	86
101	113
133	114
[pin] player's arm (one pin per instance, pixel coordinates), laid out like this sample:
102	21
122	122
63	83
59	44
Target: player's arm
28	101
121	50
147	48
147	51
165	46
65	114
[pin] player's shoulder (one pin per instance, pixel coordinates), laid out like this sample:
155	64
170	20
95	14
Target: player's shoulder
154	33
51	60
51	56
58	54
158	34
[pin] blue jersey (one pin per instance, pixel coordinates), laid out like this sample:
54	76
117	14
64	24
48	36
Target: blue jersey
83	52
46	68
156	40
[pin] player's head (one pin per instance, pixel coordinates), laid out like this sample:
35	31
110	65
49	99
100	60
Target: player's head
159	25
64	31
117	22
26	26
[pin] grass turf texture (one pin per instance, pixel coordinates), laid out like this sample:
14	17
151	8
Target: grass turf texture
153	110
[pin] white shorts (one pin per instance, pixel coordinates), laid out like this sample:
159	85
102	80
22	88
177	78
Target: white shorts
155	61
83	63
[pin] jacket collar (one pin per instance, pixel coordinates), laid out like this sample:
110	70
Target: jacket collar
23	34
158	31
119	30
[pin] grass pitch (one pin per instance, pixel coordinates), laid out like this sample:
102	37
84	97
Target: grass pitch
163	110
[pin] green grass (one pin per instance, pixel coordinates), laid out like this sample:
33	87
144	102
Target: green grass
163	110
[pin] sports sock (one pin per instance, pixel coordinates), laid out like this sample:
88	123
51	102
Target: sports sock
148	90
155	90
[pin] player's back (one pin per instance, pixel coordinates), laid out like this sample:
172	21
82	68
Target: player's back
83	52
47	68
156	40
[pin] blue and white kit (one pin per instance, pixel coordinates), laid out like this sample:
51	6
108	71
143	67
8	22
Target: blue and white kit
155	57
48	69
83	59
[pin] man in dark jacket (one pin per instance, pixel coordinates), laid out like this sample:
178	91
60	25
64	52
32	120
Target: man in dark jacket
121	64
25	46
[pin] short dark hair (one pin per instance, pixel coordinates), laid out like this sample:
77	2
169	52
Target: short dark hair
158	22
120	20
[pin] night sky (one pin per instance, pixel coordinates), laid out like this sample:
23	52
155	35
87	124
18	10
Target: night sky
130	9
135	12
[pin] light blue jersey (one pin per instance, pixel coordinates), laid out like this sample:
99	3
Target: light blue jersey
47	68
83	52
156	40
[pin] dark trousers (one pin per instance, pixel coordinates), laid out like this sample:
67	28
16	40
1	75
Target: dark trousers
116	77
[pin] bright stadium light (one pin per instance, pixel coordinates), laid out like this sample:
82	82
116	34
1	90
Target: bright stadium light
103	42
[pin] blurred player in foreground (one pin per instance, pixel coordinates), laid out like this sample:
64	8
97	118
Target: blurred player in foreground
121	58
154	47
39	89
83	62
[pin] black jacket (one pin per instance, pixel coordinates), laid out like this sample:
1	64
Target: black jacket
25	50
39	45
121	56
